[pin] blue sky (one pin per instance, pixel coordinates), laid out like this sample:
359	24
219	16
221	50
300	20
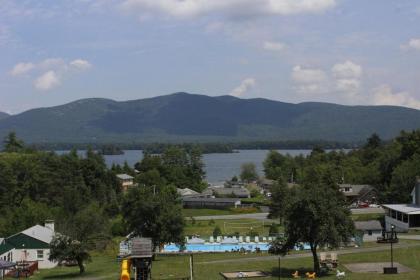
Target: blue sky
341	51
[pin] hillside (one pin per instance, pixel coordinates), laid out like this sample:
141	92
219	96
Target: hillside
188	117
3	115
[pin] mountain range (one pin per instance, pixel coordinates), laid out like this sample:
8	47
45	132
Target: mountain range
3	115
190	117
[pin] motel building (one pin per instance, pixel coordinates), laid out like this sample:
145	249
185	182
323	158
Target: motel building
404	216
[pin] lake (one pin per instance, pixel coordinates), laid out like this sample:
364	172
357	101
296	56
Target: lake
219	167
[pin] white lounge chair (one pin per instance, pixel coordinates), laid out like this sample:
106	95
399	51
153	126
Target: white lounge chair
257	239
241	239
247	239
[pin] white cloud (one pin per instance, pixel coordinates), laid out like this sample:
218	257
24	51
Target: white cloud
230	8
384	95
80	64
50	71
309	80
47	81
347	70
244	87
273	46
308	75
347	77
344	78
413	44
22	68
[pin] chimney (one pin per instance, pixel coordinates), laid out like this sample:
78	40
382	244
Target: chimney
49	224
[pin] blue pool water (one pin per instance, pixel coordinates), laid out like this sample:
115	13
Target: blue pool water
217	247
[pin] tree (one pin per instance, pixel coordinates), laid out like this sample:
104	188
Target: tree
217	231
66	249
248	172
280	196
12	144
154	215
318	216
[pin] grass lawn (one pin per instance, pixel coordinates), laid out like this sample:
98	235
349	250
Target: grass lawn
367	217
176	266
228	227
215	212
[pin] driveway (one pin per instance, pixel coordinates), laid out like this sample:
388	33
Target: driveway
263	216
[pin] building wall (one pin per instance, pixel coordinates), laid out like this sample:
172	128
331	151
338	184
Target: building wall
373	237
31	256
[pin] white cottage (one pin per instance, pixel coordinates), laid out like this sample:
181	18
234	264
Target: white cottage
32	244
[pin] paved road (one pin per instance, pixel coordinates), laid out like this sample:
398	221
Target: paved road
409	237
306	255
263	216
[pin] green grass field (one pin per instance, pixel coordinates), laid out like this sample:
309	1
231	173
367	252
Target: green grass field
208	266
228	227
188	212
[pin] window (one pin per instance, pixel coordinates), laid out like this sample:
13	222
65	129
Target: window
40	254
347	189
369	232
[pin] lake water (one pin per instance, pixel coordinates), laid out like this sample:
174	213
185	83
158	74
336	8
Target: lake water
219	166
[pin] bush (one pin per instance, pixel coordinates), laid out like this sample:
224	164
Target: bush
211	222
274	230
252	233
217	232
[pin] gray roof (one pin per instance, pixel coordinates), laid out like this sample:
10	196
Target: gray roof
235	191
410	209
6	264
209	199
356	189
368	225
125	177
186	192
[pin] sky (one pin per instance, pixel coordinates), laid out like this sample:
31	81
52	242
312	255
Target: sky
352	52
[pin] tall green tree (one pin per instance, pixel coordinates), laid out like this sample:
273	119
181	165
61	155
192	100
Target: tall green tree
248	172
156	215
317	216
280	197
12	144
66	249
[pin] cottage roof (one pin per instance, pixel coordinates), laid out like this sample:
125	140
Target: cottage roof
356	190
186	192
228	191
368	225
44	234
124	177
410	209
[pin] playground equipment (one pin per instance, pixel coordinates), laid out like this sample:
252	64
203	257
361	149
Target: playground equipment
136	259
310	275
125	270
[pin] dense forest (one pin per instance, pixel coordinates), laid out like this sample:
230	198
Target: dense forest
85	198
391	166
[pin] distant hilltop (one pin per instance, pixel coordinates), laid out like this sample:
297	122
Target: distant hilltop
190	117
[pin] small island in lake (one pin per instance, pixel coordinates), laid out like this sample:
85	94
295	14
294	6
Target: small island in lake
110	150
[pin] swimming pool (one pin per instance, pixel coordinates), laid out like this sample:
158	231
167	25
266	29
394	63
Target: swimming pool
218	247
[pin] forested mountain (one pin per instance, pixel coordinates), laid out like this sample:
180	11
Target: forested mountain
188	117
3	115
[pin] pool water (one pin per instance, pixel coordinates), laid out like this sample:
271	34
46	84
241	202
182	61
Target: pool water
217	247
